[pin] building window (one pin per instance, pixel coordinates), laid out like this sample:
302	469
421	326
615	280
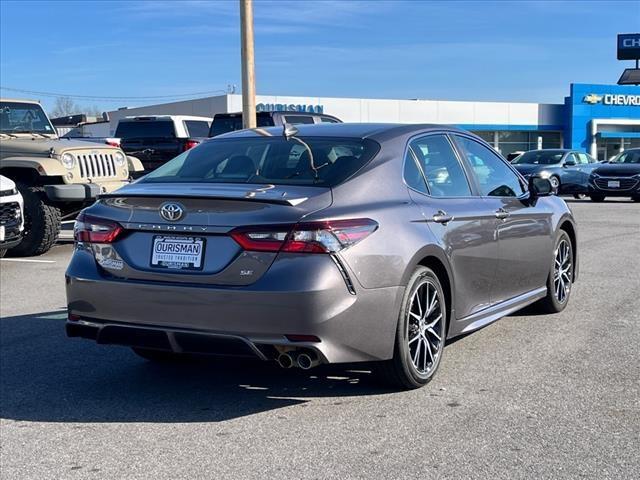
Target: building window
510	141
486	136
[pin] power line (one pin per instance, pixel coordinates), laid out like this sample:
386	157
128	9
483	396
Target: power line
109	98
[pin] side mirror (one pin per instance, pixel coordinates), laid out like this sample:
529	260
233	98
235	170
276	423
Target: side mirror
569	163
540	187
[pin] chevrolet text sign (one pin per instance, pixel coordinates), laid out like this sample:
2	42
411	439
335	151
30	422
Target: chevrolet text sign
613	99
628	46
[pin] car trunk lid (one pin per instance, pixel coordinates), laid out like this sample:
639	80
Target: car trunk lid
209	213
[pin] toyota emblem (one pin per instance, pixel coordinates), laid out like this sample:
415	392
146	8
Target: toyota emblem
172	212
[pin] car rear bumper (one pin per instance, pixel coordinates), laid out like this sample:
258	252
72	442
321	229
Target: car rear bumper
298	295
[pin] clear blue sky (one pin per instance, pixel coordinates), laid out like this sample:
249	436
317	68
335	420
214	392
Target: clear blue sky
512	51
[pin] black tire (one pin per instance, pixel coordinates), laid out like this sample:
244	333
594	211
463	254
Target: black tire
636	199
158	356
596	197
400	370
555	184
41	223
551	303
579	196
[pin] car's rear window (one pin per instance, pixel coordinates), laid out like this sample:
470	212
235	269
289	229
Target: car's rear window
222	124
318	161
145	129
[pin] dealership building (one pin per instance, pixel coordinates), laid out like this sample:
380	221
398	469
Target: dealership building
599	119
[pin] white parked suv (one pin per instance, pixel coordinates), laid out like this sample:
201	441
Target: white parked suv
11	215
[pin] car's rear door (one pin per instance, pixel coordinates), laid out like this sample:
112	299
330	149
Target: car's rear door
523	228
461	223
571	173
587	165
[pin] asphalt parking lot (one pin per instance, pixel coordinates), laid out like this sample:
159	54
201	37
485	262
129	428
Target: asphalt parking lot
554	396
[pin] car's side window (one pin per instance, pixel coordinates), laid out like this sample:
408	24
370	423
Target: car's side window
197	128
412	174
572	157
495	178
583	158
443	172
298	119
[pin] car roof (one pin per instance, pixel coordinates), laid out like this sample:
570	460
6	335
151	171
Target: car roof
164	117
20	100
553	150
376	131
271	112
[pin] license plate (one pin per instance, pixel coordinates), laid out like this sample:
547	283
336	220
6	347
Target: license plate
613	184
178	253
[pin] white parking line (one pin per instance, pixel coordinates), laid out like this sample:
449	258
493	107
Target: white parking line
26	260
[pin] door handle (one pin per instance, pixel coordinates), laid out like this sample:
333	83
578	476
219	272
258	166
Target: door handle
442	217
502	214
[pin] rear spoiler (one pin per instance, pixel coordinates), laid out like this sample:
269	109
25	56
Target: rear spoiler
249	197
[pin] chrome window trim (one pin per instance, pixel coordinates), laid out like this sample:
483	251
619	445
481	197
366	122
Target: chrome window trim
445	133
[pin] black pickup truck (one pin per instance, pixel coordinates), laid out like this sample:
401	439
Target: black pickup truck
228	122
156	139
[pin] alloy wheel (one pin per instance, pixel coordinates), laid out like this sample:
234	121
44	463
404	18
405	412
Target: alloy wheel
425	334
562	271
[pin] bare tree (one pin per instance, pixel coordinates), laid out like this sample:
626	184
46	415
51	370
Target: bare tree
64	107
93	111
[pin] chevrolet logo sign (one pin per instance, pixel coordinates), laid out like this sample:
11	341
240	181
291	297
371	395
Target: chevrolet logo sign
592	99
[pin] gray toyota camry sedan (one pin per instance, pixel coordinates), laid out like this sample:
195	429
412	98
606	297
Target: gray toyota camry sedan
320	244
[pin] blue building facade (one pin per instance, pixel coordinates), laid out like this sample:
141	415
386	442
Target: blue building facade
602	119
599	119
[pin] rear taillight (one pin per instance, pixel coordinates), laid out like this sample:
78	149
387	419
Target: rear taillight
328	236
95	230
189	144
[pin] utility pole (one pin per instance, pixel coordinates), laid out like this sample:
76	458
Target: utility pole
248	65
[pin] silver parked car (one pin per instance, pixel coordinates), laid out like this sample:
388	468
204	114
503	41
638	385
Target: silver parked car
320	244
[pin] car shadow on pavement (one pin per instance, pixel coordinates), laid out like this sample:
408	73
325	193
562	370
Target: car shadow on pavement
47	377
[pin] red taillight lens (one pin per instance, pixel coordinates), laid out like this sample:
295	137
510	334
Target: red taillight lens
328	236
189	144
95	230
261	239
313	237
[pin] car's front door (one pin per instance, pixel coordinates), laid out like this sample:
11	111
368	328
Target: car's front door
455	215
523	228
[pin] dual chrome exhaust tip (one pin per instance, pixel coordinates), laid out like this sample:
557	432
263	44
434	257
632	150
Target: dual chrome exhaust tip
301	359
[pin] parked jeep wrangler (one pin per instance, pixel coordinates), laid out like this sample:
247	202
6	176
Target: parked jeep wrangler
56	177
